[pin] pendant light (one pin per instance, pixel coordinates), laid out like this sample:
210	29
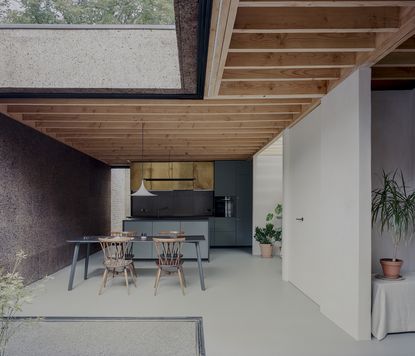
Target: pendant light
142	191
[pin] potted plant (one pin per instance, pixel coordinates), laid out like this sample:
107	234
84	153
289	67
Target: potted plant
266	236
393	205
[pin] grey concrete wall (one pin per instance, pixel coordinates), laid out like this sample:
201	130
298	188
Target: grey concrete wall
106	58
393	147
49	193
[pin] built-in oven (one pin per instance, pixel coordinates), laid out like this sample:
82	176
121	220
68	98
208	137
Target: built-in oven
225	206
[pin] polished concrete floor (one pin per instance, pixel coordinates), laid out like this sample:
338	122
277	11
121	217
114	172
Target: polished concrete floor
247	309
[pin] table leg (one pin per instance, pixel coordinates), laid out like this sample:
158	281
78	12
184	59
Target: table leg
88	246
199	264
73	267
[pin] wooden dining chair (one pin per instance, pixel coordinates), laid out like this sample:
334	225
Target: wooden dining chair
129	254
115	261
169	259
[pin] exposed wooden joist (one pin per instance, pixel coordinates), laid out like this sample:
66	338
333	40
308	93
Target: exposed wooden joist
305	88
150	111
147	102
271	116
222	20
281	74
158	127
315	20
302	42
385	44
290	60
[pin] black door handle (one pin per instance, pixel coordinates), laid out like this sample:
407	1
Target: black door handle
300	219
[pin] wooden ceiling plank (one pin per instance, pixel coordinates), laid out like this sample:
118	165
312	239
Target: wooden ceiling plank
274	88
155	112
385	44
143	102
302	42
315	20
270	116
290	60
164	127
281	74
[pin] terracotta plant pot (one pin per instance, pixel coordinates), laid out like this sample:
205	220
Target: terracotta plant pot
266	250
391	269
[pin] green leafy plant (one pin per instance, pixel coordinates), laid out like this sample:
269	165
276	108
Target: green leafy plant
393	206
270	233
13	295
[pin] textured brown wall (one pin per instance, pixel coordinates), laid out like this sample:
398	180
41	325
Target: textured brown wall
49	193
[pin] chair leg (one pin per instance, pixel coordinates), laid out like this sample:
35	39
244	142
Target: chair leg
184	279
134	270
104	281
181	279
156	283
126	280
130	268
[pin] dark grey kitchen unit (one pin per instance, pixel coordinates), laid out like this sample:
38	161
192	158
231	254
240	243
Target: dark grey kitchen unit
152	227
233	178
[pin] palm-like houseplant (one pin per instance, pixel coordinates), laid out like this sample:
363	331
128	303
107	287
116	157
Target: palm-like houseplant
393	206
266	236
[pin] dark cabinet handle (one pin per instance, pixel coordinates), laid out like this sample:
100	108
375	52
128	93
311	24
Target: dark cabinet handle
300	219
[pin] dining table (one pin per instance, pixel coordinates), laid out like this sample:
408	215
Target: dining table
87	241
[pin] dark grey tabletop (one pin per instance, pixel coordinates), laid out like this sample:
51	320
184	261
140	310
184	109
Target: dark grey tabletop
94	239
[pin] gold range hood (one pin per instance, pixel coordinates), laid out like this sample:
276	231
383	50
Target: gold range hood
159	176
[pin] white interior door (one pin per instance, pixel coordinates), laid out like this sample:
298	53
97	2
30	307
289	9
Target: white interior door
302	195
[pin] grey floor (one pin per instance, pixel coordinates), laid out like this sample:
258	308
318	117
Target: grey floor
247	309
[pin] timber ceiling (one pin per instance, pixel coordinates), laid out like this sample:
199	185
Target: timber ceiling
397	69
269	63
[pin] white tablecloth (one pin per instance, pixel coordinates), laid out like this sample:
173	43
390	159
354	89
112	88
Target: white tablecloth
393	306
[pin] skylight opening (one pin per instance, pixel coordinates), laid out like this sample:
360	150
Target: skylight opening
87	12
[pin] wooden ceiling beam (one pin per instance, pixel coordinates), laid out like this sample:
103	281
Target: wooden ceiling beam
145	102
164	127
290	60
316	20
281	74
302	42
271	116
147	111
385	44
262	88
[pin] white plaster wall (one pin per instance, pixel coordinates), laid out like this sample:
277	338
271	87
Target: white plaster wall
138	58
120	197
340	243
267	190
393	145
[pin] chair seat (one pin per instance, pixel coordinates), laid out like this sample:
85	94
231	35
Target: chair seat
117	264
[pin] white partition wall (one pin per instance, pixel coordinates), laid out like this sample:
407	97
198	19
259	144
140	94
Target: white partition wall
267	189
327	182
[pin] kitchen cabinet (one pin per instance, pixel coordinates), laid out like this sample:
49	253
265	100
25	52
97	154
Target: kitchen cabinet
225	178
152	228
234	178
